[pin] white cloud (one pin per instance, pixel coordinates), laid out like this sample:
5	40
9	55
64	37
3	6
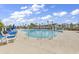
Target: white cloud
38	12
46	17
27	12
20	14
31	20
60	14
24	7
36	7
56	14
67	21
71	21
75	22
16	16
23	21
63	13
8	21
75	12
73	17
19	19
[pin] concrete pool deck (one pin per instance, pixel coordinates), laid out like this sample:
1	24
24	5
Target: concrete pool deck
66	42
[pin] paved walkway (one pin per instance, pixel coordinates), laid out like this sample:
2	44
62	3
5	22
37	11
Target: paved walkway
66	42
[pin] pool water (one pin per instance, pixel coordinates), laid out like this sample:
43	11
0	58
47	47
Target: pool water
40	33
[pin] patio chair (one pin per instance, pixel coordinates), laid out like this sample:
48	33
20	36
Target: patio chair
11	36
2	39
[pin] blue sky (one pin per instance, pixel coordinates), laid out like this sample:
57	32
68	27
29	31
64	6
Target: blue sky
21	14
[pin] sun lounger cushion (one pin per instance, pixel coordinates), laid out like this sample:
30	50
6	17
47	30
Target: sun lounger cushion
10	36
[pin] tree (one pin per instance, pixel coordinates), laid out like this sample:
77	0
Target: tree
32	25
78	24
1	24
71	26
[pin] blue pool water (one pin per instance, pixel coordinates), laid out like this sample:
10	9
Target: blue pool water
40	33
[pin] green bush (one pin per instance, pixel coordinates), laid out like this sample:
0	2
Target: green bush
1	24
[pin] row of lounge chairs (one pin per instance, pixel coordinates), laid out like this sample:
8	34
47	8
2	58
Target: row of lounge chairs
9	36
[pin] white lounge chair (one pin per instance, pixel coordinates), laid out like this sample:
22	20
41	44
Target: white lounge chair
10	38
3	39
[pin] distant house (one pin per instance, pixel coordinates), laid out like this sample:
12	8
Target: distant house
41	27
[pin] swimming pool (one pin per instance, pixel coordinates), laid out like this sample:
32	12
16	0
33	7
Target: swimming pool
40	33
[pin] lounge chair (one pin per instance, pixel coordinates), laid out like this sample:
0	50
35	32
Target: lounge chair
12	32
11	36
3	39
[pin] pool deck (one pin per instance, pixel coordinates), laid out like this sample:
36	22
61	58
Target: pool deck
66	42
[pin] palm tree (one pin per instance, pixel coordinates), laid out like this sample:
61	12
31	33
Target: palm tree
78	25
71	26
49	26
48	22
